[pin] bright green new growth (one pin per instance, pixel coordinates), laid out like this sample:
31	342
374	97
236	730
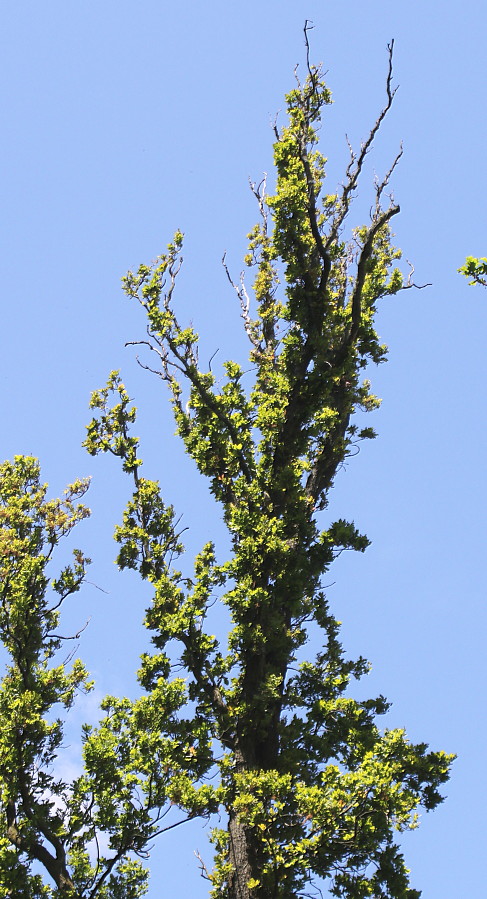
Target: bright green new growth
30	736
48	822
137	764
476	269
309	787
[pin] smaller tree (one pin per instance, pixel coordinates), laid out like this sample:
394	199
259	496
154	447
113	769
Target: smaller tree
83	837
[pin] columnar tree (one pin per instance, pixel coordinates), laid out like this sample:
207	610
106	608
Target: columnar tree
310	788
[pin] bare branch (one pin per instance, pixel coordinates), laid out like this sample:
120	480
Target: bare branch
172	826
102	590
244	301
385	181
410	283
210	360
204	870
356	162
166	362
75	636
308	26
259	192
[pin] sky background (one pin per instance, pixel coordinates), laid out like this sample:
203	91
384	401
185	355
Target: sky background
122	121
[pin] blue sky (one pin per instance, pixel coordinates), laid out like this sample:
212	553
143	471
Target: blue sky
123	121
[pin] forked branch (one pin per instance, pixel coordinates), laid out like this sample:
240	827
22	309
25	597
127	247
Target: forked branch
356	163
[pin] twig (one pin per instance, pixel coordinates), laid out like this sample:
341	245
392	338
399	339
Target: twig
205	874
77	635
356	163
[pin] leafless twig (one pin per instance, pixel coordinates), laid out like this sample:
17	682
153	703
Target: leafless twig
203	869
75	636
356	163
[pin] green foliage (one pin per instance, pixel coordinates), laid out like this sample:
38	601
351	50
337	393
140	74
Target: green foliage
138	763
310	787
475	269
253	728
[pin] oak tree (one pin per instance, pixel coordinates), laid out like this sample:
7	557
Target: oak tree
308	788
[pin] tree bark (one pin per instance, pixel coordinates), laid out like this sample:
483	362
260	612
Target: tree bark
239	858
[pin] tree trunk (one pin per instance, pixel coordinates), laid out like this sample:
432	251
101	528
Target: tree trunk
239	858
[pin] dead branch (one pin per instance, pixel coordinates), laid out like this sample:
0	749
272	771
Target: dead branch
244	301
356	163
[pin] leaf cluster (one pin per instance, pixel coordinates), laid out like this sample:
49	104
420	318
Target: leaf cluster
476	269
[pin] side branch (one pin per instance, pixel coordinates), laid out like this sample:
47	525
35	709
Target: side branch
211	402
357	162
188	368
54	865
330	457
322	249
362	270
244	301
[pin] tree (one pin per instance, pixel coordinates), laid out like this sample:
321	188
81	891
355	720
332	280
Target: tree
308	786
47	822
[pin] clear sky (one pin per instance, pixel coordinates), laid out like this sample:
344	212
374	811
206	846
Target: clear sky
122	121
